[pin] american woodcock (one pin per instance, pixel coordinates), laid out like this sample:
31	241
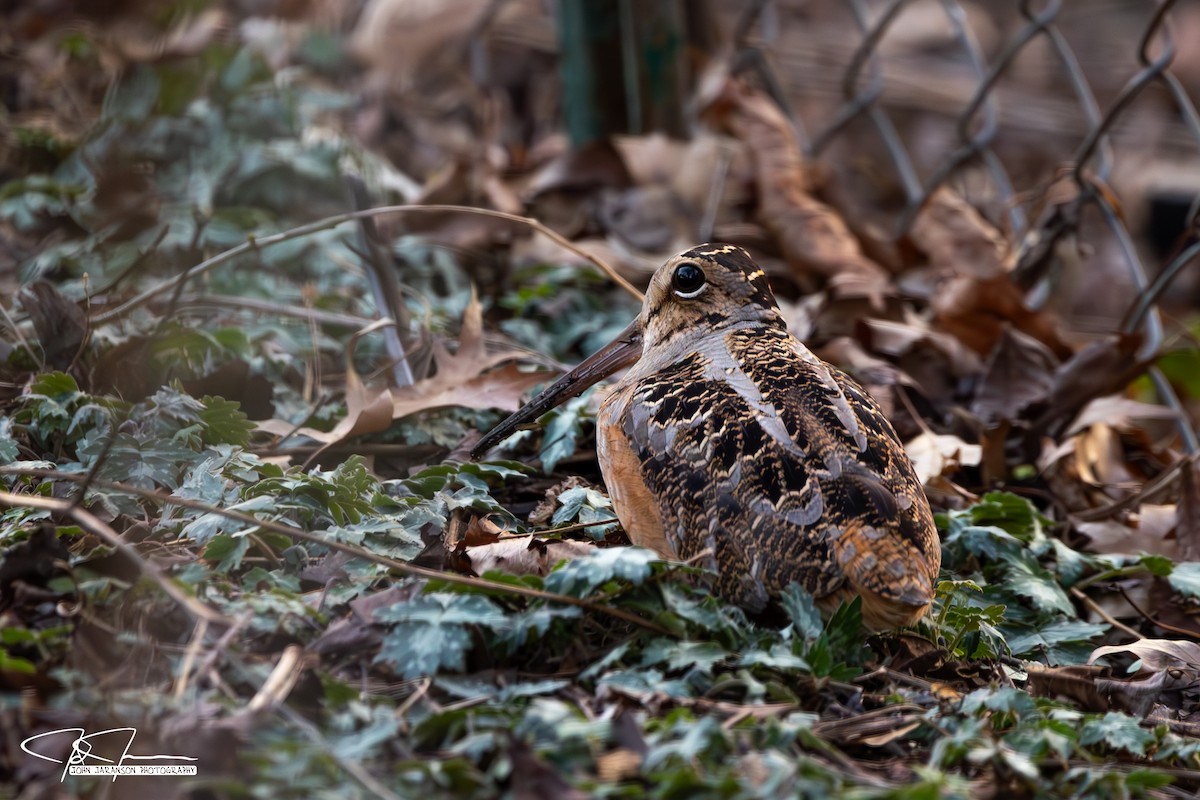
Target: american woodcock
729	444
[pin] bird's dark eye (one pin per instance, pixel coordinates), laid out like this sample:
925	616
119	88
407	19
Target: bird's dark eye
688	279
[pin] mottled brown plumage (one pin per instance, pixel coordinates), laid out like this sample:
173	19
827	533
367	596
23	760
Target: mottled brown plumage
729	444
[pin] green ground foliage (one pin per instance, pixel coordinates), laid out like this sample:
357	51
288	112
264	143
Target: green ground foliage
310	622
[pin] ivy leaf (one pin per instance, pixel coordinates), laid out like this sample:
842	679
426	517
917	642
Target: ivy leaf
1015	515
441	608
224	421
683	655
1157	565
1028	579
1072	564
577	498
1141	781
147	465
989	542
1118	731
227	550
584	504
802	611
16	664
699	738
579	577
966	620
205	526
1060	642
57	386
433	631
8	445
1185	578
779	656
1003	699
562	431
536	622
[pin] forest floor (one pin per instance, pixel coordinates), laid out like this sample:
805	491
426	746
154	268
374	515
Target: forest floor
238	512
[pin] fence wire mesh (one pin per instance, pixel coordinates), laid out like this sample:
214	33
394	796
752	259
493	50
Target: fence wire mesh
1072	124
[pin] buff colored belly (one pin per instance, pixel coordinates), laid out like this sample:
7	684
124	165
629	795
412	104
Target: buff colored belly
622	470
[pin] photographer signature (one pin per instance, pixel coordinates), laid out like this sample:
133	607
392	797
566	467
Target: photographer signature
84	743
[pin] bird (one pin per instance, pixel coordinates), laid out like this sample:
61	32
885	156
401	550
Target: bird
728	444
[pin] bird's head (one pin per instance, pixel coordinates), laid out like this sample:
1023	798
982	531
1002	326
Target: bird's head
702	290
698	292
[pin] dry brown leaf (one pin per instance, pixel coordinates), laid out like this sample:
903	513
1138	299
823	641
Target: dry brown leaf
956	238
813	237
686	167
976	312
413	41
896	338
470	377
1156	654
481	531
524	555
1019	373
978	297
1117	412
367	410
1148	532
1100	457
59	323
1100	368
1169	673
1075	681
938	454
649	219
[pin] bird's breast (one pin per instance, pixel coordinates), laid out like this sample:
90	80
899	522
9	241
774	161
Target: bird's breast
633	502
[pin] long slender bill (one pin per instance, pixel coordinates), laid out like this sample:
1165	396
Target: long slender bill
617	354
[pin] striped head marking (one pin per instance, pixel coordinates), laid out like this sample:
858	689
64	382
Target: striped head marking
704	289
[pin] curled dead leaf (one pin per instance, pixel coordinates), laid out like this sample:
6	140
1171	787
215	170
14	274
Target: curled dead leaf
1149	531
523	555
976	311
938	454
957	239
1019	373
368	410
471	377
1156	654
813	236
1166	682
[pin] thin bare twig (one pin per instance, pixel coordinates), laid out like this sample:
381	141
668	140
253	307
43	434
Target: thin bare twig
1160	482
385	286
224	302
1156	622
90	522
301	231
199	633
350	765
394	565
1104	615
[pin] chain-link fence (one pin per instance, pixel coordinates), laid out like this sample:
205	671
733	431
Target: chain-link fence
1072	124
